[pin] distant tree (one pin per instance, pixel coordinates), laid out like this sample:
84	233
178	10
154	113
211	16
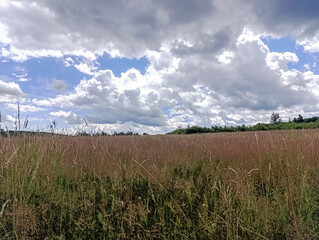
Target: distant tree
104	133
299	119
275	118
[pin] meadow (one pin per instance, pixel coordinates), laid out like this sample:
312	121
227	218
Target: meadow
245	185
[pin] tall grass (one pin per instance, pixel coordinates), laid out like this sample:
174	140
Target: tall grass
213	186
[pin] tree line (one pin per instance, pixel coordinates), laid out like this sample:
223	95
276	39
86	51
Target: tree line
275	123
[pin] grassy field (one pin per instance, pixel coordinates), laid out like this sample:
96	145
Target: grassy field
247	185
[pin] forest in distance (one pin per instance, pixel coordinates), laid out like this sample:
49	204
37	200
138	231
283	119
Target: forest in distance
275	124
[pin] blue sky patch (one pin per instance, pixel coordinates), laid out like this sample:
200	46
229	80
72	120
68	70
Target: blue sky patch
120	65
288	44
40	72
167	111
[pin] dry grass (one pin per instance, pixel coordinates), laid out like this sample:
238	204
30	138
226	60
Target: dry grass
214	186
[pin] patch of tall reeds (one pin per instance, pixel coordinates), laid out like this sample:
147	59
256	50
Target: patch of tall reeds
212	186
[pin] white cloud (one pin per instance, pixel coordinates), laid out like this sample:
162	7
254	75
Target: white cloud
225	57
68	62
310	44
10	90
95	27
59	84
208	64
5	118
23	55
195	87
110	99
120	127
277	60
24	107
4	34
21	77
102	30
86	68
69	117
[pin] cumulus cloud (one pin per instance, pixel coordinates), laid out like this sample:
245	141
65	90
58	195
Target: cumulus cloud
248	83
226	57
68	62
24	107
285	17
59	84
207	63
110	99
69	117
86	68
10	90
4	34
5	118
96	25
310	44
194	90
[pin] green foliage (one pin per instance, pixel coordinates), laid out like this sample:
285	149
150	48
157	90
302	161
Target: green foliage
297	123
128	133
299	119
275	118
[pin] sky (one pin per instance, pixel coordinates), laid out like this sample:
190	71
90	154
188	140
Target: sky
153	66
